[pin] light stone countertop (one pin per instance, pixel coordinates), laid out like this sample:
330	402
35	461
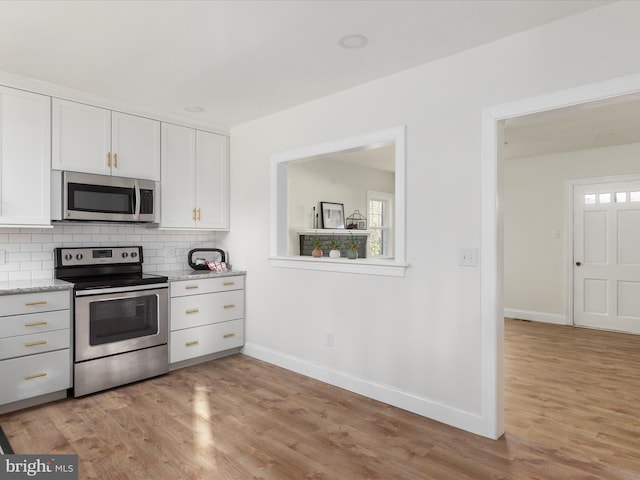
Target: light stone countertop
33	286
190	274
52	284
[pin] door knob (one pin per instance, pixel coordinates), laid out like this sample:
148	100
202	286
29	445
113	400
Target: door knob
578	264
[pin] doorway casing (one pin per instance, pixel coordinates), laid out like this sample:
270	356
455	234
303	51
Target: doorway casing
492	231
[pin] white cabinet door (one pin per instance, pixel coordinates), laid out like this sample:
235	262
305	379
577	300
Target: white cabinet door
81	137
195	179
177	190
135	145
25	153
212	181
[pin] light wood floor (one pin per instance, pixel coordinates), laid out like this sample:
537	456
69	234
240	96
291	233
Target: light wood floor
572	412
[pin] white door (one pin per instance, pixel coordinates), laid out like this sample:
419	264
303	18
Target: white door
178	190
25	155
212	181
81	137
607	256
135	145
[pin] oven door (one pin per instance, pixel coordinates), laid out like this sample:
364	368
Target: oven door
118	320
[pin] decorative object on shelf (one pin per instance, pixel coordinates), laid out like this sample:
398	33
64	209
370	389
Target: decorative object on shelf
317	247
356	221
332	215
352	246
335	247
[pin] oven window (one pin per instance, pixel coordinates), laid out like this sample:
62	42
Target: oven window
122	319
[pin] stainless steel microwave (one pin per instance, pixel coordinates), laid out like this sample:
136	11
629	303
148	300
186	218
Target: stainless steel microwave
102	198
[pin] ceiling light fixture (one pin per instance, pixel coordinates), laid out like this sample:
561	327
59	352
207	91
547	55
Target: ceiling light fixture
194	109
353	41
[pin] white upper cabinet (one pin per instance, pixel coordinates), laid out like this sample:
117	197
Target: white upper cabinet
178	192
195	179
25	155
212	180
135	146
96	140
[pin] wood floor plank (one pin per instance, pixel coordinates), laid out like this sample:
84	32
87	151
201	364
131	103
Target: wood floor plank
571	406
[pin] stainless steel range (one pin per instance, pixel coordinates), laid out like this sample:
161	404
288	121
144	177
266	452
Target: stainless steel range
120	317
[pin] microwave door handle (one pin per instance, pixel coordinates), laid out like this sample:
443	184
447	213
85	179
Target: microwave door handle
136	206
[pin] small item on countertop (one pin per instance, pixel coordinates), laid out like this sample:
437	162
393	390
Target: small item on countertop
201	261
217	266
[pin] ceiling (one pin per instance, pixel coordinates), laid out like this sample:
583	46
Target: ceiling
604	123
241	60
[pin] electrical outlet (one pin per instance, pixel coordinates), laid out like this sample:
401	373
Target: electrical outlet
329	338
468	257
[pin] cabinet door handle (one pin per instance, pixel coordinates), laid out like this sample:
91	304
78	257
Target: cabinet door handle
194	214
35	304
192	310
198	214
190	287
229	335
109	159
37	375
229	284
226	307
35	344
115	160
192	344
37	324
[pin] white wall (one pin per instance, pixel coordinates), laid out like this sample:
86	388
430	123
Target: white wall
27	253
326	180
535	206
415	338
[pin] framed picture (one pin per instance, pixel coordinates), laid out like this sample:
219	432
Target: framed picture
362	225
332	215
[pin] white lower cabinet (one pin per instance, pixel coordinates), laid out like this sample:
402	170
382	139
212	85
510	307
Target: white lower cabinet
207	317
35	338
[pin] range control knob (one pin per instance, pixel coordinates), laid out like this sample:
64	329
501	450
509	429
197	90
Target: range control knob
125	254
79	256
68	256
134	254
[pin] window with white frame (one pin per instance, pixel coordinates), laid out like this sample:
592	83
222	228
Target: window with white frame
380	218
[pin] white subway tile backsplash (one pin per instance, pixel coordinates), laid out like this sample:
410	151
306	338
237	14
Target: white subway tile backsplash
29	252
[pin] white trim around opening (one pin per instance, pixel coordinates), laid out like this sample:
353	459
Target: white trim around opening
491	262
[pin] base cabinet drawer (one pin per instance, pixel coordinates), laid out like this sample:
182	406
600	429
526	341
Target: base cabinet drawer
197	310
34	375
34	343
26	303
204	340
206	285
34	323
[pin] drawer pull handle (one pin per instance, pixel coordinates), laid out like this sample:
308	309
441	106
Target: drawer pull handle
190	287
193	310
229	335
192	344
35	304
229	306
37	324
229	284
36	344
38	375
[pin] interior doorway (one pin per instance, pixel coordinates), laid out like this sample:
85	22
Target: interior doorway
492	241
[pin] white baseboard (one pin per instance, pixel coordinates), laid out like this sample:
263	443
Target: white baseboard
440	412
556	318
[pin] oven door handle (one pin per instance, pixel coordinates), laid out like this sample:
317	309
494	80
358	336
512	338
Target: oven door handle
132	288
